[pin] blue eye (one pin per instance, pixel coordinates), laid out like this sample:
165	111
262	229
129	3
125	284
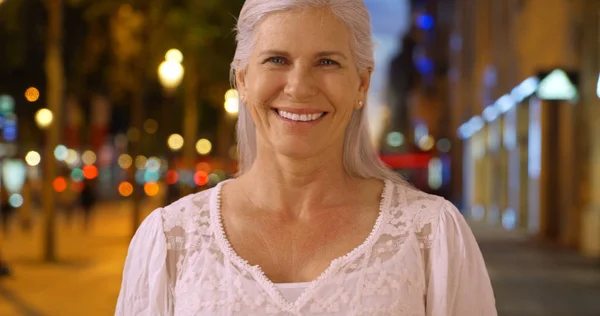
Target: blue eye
328	62
276	60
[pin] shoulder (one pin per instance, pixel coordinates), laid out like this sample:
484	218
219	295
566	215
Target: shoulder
425	214
186	211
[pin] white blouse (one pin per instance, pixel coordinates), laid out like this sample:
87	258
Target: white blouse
421	258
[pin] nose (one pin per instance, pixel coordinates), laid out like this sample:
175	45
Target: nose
300	84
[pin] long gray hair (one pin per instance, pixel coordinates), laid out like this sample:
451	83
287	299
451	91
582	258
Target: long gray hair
359	157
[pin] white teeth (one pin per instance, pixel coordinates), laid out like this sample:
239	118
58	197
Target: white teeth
300	117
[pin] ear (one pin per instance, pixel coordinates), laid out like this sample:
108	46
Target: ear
240	81
363	89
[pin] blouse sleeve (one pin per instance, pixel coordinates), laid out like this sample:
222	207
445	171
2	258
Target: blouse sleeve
458	281
144	288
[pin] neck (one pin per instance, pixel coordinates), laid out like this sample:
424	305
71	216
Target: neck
298	187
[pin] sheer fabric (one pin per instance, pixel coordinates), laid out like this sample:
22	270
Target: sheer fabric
421	258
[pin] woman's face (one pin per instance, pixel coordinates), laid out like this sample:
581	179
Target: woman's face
301	84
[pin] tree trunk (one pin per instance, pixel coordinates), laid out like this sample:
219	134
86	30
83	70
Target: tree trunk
190	117
55	89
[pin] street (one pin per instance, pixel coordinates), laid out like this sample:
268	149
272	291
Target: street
529	279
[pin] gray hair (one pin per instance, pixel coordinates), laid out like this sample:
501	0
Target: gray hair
359	157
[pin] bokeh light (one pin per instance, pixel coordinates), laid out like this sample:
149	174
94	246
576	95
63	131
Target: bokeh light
175	142
33	158
77	186
140	162
44	118
174	55
171	177
15	200
125	189
151	176
32	94
72	157
153	164
426	142
61	153
204	166
125	161
90	172
59	184
232	106
201	178
77	174
151	188
133	134
151	126
231	94
203	146
88	157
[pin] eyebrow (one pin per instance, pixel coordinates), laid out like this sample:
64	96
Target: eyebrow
274	52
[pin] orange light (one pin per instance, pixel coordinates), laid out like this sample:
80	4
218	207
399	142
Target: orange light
201	178
125	189
151	188
77	186
59	184
90	172
204	166
32	94
171	177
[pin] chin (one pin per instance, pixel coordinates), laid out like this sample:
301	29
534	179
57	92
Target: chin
295	150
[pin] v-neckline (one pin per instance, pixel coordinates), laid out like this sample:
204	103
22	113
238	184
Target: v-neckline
256	271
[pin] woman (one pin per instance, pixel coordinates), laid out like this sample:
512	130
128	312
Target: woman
314	224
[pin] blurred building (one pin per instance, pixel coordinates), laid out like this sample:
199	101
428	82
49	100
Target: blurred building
524	97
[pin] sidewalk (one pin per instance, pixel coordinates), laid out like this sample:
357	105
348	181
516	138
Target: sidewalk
530	279
87	277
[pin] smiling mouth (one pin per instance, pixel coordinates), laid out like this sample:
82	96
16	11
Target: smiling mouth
295	117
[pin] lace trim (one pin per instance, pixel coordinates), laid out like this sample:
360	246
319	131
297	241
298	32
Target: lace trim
258	273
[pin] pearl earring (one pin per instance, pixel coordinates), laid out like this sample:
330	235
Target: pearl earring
360	103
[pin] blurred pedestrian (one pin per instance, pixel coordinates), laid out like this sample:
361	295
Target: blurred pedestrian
88	200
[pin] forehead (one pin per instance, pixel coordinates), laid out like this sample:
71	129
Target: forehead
303	30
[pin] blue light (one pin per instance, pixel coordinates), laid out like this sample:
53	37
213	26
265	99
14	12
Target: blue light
424	65
10	131
424	21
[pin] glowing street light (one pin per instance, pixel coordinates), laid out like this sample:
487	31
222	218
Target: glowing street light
175	142
203	146
170	71
174	55
232	106
44	118
33	158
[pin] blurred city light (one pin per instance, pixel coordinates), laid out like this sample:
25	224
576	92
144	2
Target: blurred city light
426	143
61	153
151	126
151	176
201	178
231	94
151	188
14	172
444	145
9	128
395	139
121	141
125	161
203	146
33	158
174	55
125	189
505	103
59	184
153	164
232	106
170	74
77	174
88	157
133	134
524	89
140	162
72	157
435	173
77	186
557	86
213	179
175	142
598	87
171	177
424	21
43	118
204	166
7	104
16	199
90	172
32	94
490	113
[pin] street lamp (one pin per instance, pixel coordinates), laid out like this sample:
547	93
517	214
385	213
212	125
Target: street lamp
232	102
44	118
170	71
